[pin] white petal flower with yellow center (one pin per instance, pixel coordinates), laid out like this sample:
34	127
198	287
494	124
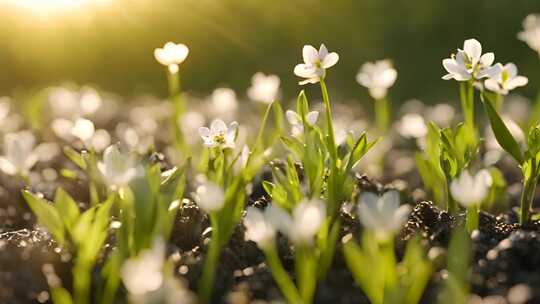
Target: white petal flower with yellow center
305	222
264	88
471	190
382	214
219	135
297	127
210	197
506	80
117	168
19	153
531	32
171	55
259	228
469	63
315	64
378	77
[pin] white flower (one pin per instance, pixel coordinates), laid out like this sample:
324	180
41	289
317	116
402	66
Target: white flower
295	120
83	129
259	228
144	273
315	63
224	101
468	190
117	168
171	55
264	88
377	76
210	197
470	63
506	80
412	125
219	135
531	32
307	217
19	154
382	214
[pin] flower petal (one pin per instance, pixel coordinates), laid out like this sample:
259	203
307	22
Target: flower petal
293	118
310	54
311	117
305	71
473	48
218	126
330	60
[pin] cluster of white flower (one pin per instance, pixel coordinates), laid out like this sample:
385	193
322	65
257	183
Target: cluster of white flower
470	64
301	226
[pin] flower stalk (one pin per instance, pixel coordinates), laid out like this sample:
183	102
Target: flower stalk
527	196
206	284
173	78
472	218
382	115
466	91
329	123
281	277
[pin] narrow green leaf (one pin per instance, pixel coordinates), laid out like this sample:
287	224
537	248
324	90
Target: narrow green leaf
67	208
47	215
502	134
75	157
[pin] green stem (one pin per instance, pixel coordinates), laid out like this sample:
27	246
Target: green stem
389	259
328	107
178	108
206	284
306	272
472	218
81	282
382	115
527	196
281	277
452	205
466	91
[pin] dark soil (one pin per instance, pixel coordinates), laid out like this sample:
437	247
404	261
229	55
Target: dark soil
504	256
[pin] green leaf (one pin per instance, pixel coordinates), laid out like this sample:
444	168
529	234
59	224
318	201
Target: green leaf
60	295
67	208
502	134
75	157
47	215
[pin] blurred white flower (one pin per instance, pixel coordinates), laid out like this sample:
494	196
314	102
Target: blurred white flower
219	135
5	107
382	214
67	103
90	100
144	273
210	197
264	88
83	129
506	80
117	168
190	123
470	63
19	154
101	140
224	102
442	114
378	77
315	63
412	125
531	32
307	217
171	55
259	228
297	127
468	190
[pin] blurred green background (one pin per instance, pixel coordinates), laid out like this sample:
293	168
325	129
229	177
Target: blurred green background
111	45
